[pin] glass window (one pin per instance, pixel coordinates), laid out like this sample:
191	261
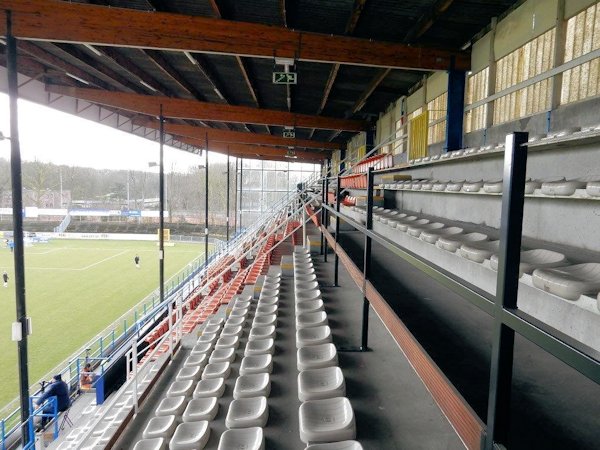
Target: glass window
251	201
269	180
282	180
252	180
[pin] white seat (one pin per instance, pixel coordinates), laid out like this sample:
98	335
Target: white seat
235	321
440	185
208	338
315	384
314	294
431	236
479	251
327	420
593	188
222	355
268	301
202	348
242	439
256	364
416	230
453	243
493	187
215	321
204	408
243	312
313	336
262	332
189	373
271	285
563	188
171	406
198	360
305	271
150	444
247	413
532	185
190	436
263	321
311	319
160	427
472	186
268	293
538	258
211	329
240	304
265	310
569	282
213	387
253	385
307	278
316	356
410	221
302	266
228	342
232	331
309	306
178	388
260	347
306	286
216	370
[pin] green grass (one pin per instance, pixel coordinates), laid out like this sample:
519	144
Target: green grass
75	289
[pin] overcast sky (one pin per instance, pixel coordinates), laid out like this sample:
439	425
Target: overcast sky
52	136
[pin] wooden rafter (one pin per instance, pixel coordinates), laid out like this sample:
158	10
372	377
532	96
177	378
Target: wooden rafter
192	109
82	23
165	67
427	20
236	137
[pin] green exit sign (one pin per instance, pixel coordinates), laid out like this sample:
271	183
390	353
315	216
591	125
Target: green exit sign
285	77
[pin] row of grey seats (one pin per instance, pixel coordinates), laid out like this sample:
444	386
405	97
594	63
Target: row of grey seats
556	186
326	417
551	271
184	415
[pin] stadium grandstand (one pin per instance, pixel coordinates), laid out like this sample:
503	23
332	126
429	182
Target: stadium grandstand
415	261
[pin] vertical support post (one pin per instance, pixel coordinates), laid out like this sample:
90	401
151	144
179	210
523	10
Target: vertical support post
456	108
323	202
134	354
235	202
367	263
227	220
17	208
101	347
336	266
303	223
241	188
161	221
515	165
491	89
559	54
206	202
325	218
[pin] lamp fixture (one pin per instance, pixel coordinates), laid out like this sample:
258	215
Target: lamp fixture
146	85
93	49
75	77
191	58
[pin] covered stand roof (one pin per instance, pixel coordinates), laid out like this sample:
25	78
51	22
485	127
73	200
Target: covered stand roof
209	63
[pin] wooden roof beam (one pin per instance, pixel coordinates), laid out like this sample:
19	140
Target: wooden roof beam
427	20
164	66
196	110
60	21
237	137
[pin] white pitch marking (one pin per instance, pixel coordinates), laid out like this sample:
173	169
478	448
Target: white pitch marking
82	268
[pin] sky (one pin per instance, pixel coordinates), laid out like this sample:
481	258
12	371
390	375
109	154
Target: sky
53	136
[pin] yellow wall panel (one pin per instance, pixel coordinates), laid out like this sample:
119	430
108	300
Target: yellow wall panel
437	84
573	7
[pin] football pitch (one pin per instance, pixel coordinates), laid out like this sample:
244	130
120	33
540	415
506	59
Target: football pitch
74	290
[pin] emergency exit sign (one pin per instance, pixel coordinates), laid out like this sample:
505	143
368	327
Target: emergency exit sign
291	134
285	77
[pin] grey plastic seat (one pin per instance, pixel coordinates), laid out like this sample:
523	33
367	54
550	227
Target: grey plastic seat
235	321
178	388
270	285
538	258
228	342
314	294
307	286
342	445
299	272
222	355
211	329
150	444
316	357
403	226
268	301
190	436
479	251
262	333
253	385
569	282
493	187
416	230
299	266
232	331
242	312
256	364
171	406
327	420
216	370
242	439
315	384
202	348
532	185
268	293
431	236
204	408
592	188
263	321
215	321
306	278
160	427
311	319
247	413
440	185
453	243
213	387
313	336
260	347
309	306
240	304
189	373
562	188
472	186
196	361
208	338
265	310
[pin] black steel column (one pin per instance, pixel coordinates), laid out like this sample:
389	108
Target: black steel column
227	233
235	202
367	262
161	213
336	267
325	218
241	187
509	258
206	202
17	208
322	212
